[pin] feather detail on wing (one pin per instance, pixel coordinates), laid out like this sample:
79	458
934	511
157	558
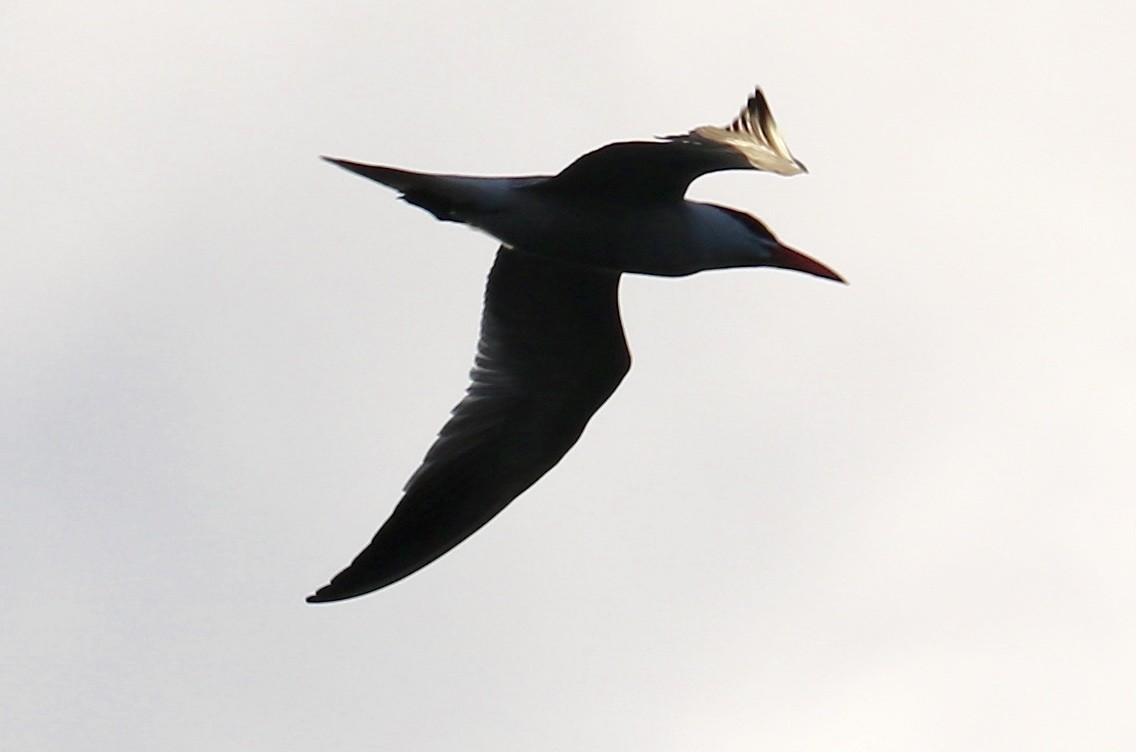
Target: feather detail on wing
754	134
551	352
662	170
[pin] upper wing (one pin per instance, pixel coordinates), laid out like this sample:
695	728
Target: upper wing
551	352
646	170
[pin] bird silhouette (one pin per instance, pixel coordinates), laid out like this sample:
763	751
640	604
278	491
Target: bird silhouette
552	348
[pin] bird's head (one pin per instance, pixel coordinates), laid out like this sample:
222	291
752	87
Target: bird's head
764	249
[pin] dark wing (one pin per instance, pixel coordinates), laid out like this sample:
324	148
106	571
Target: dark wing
643	170
652	171
551	352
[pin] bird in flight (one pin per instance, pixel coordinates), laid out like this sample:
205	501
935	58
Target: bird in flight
551	348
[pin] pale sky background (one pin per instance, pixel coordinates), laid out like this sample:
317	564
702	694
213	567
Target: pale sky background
897	515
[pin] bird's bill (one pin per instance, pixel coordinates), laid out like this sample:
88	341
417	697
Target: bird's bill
784	257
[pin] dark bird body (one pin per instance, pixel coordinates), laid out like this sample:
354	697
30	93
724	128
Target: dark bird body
552	348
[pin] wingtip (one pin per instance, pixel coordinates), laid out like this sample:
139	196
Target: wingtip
333	594
754	135
324	595
756	108
757	99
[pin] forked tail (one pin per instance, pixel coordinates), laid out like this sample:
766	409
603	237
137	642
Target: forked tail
440	195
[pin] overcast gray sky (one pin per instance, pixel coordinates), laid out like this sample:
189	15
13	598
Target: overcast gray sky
896	515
